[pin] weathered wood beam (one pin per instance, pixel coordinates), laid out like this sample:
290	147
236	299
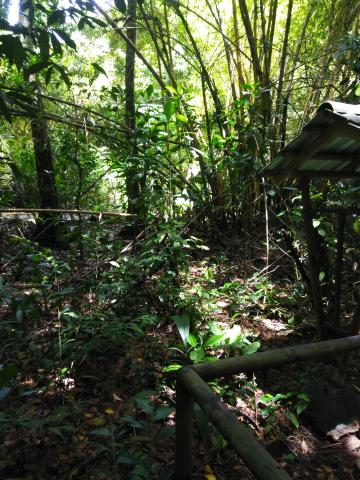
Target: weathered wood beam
255	457
274	358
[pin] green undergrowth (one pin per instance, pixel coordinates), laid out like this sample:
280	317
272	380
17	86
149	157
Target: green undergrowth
91	343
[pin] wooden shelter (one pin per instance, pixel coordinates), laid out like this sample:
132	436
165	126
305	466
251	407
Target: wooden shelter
328	147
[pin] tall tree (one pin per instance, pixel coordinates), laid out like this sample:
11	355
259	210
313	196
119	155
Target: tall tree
132	178
44	161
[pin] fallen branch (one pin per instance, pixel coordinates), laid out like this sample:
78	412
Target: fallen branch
17	211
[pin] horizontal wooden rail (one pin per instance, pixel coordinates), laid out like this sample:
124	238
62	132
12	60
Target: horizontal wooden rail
274	358
191	387
17	211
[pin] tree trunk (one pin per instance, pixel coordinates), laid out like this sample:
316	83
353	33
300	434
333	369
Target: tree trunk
46	231
132	182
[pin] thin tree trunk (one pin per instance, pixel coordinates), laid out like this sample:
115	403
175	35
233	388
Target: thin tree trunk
240	75
44	161
279	99
132	183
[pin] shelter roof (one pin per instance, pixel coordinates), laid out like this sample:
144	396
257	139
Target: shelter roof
327	147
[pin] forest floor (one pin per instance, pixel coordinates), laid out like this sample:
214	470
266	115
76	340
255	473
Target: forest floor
87	388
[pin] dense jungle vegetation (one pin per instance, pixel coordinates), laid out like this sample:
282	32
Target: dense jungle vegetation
155	119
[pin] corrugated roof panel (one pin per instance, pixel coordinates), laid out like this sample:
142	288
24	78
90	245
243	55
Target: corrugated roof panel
334	131
342	166
341	145
319	165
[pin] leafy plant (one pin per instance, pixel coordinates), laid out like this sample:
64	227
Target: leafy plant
293	404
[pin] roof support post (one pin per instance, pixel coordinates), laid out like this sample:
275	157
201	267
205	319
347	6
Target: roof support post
338	268
304	184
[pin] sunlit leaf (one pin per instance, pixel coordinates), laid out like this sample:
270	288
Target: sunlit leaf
183	324
252	348
169	108
293	419
99	68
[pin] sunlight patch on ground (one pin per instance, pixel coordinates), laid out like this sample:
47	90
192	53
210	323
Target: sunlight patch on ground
274	325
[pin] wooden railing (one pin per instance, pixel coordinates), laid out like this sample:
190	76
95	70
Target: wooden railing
191	387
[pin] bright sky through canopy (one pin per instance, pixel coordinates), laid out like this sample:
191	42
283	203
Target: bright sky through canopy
14	8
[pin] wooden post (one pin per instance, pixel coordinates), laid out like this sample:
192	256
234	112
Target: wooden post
338	269
344	359
313	256
184	431
256	458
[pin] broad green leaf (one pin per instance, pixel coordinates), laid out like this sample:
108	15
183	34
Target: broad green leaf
36	67
214	328
252	348
356	225
166	432
293	419
57	16
12	48
192	341
169	108
301	406
321	276
63	75
44	45
215	340
172	368
56	44
102	432
145	404
132	422
197	355
181	118
163	412
99	68
67	39
121	5
183	324
171	89
316	223
48	74
149	90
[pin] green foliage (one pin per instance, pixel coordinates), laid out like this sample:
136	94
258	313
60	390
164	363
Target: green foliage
292	403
